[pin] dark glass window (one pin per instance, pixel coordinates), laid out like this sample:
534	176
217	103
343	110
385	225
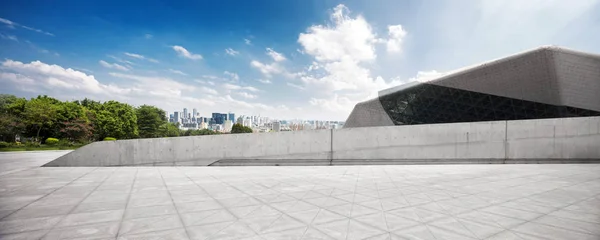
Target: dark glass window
426	104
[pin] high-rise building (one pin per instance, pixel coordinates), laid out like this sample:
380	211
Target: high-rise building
247	122
219	118
176	116
185	113
194	113
227	126
231	117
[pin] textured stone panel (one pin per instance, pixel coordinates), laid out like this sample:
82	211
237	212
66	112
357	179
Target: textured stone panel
578	78
368	114
527	76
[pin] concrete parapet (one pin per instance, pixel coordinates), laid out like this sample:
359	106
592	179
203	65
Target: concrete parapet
563	140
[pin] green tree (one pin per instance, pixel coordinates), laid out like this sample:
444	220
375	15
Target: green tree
10	124
5	101
204	132
77	130
239	128
169	130
115	119
149	120
40	113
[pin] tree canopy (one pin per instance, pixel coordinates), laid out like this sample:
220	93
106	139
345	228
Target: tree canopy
149	120
239	128
83	120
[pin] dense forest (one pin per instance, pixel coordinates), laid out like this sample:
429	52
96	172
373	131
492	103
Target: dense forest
80	122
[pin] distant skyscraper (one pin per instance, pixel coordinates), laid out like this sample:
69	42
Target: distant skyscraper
231	117
227	126
185	113
176	116
219	118
194	113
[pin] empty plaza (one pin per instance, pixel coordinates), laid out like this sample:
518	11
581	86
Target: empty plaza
494	201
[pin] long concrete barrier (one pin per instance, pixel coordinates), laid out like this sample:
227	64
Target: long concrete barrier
564	140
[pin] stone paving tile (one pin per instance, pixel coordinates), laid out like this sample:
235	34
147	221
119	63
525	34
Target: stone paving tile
341	202
172	234
104	230
84	218
29	224
150	224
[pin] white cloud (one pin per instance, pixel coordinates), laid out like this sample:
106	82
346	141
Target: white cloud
231	52
148	36
40	75
247	41
209	90
68	84
232	76
426	76
7	22
396	35
265	81
120	60
251	89
348	38
113	66
340	51
270	69
39	49
229	86
157	86
267	69
177	72
277	57
335	104
16	78
247	95
296	86
182	52
133	55
138	56
9	37
12	24
210	77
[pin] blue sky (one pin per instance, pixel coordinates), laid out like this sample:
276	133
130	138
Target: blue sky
283	59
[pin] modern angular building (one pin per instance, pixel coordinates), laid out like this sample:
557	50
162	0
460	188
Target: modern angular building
548	82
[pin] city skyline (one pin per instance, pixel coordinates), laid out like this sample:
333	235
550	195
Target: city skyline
223	122
292	59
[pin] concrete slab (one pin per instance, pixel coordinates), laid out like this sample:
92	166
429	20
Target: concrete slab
545	201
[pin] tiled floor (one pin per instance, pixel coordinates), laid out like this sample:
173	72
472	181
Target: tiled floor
350	202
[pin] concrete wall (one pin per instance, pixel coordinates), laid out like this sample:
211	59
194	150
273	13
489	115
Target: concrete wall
561	138
523	141
480	140
202	150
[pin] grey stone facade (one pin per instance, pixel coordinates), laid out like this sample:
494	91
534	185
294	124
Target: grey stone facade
548	75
